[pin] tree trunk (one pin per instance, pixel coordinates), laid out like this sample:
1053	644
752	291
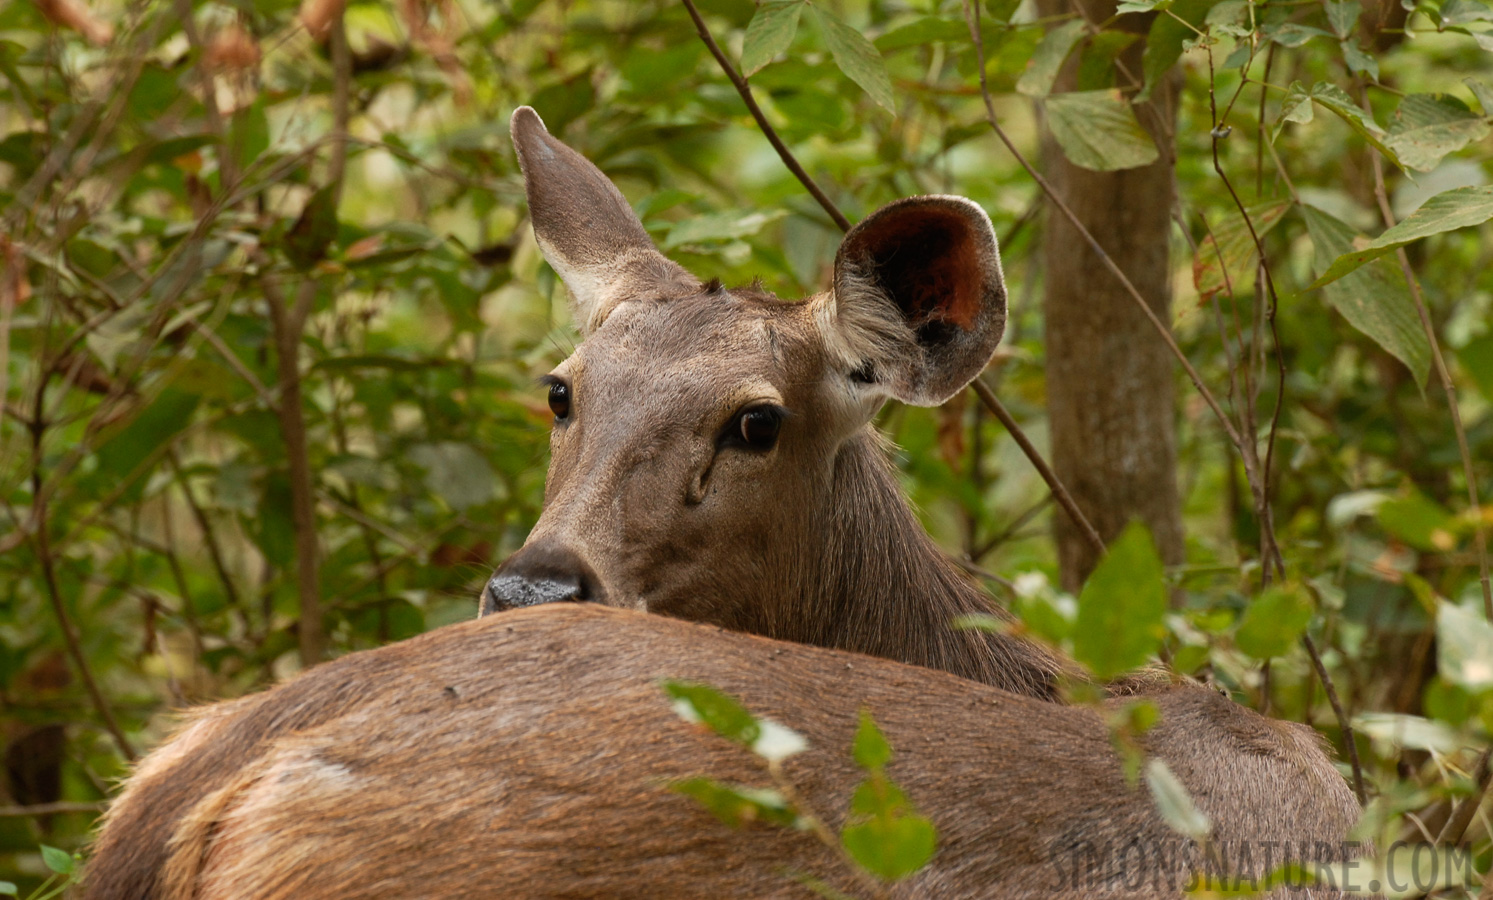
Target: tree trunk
1110	389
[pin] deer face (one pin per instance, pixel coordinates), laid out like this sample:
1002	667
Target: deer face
697	430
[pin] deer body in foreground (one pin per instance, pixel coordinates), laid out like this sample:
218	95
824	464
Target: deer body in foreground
527	755
712	460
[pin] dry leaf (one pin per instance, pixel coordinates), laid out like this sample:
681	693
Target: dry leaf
318	15
69	14
232	49
15	288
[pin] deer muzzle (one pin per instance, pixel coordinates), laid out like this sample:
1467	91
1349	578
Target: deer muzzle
541	573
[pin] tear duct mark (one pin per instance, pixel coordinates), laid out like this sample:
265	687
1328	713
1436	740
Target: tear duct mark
928	261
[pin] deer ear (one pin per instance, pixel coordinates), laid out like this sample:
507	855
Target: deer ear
586	229
919	302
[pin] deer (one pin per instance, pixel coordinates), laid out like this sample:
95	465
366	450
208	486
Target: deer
719	507
530	754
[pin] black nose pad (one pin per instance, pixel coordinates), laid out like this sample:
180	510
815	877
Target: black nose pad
540	573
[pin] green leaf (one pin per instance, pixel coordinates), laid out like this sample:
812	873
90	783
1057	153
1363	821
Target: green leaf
1297	107
1227	256
8	889
1121	606
1476	357
1098	130
1448	211
1174	803
921	32
249	134
770	33
1359	62
720	226
891	847
59	861
1410	732
1169	32
1096	64
307	240
723	714
1375	300
1419	521
1001	10
739	806
1335	100
147	432
1132	6
456	472
118	333
857	57
1042	69
1464	12
1342	15
1427	127
870	749
1464	647
1274	621
1290	34
720	712
1483	91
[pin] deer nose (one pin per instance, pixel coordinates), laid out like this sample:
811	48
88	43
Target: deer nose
540	573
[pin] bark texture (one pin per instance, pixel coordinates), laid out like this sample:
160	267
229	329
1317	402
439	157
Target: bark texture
1110	386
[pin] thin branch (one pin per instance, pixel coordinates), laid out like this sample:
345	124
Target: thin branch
768	131
1337	708
972	18
1456	826
1059	492
288	326
74	645
1010	530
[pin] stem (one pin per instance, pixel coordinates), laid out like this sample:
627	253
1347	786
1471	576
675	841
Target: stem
972	17
1337	708
287	326
74	646
1456	826
768	131
1059	492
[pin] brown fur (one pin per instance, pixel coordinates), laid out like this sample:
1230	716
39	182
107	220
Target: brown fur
527	755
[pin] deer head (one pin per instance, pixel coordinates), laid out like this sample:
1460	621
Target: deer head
712	454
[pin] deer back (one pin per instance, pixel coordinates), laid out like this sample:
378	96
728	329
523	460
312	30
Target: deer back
529	755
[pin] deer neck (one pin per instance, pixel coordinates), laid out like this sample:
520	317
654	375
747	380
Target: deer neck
891	592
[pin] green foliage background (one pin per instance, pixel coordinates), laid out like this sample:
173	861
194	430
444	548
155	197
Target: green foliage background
145	482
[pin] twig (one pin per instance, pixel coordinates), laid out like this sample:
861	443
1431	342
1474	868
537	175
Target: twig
989	398
209	535
288	325
972	19
74	646
1337	708
1059	492
768	131
1456	826
1016	525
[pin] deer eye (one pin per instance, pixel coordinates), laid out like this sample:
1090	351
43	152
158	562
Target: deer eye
756	427
560	399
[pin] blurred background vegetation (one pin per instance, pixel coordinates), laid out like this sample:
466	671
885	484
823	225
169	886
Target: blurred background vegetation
271	315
